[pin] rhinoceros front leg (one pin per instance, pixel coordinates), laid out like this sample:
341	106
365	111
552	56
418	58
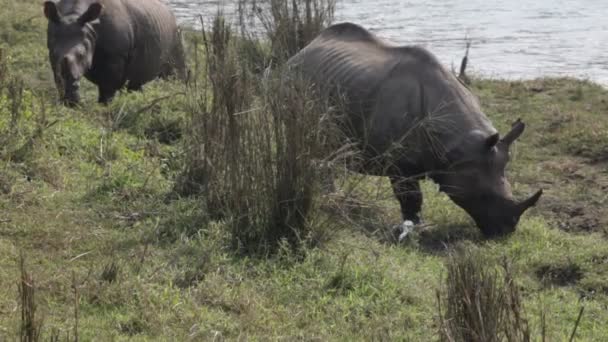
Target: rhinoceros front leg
408	193
110	77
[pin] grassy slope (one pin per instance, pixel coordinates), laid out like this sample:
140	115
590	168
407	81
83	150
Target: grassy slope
91	194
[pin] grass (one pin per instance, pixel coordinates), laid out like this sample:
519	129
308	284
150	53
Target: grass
88	202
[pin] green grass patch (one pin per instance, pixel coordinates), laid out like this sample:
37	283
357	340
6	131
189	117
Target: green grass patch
88	201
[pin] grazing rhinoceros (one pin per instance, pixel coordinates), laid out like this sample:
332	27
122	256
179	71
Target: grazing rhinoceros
112	43
412	118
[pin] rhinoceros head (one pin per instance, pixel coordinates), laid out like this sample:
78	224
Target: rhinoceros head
476	182
71	45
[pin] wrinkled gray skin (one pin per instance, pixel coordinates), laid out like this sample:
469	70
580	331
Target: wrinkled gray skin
412	118
112	43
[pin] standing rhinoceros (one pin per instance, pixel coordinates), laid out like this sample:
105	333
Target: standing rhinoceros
112	43
412	118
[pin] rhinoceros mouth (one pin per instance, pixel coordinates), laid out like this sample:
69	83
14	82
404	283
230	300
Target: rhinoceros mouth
71	93
499	217
71	99
71	102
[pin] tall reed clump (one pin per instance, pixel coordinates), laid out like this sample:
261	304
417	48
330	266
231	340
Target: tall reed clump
222	89
252	147
287	25
294	116
483	301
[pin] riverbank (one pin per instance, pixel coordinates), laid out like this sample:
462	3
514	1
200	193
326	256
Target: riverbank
85	198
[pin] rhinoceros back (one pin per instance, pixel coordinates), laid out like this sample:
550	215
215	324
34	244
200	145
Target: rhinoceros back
346	55
390	89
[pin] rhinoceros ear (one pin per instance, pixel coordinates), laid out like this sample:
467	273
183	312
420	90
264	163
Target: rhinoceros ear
492	140
91	14
50	11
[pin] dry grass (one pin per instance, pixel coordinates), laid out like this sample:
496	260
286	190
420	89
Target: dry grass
254	142
483	302
31	324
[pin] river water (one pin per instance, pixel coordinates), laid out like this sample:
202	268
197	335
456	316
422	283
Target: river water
516	39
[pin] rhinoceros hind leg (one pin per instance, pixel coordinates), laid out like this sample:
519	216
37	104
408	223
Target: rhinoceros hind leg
407	191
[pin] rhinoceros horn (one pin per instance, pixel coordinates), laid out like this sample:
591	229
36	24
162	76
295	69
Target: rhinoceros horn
530	202
517	128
